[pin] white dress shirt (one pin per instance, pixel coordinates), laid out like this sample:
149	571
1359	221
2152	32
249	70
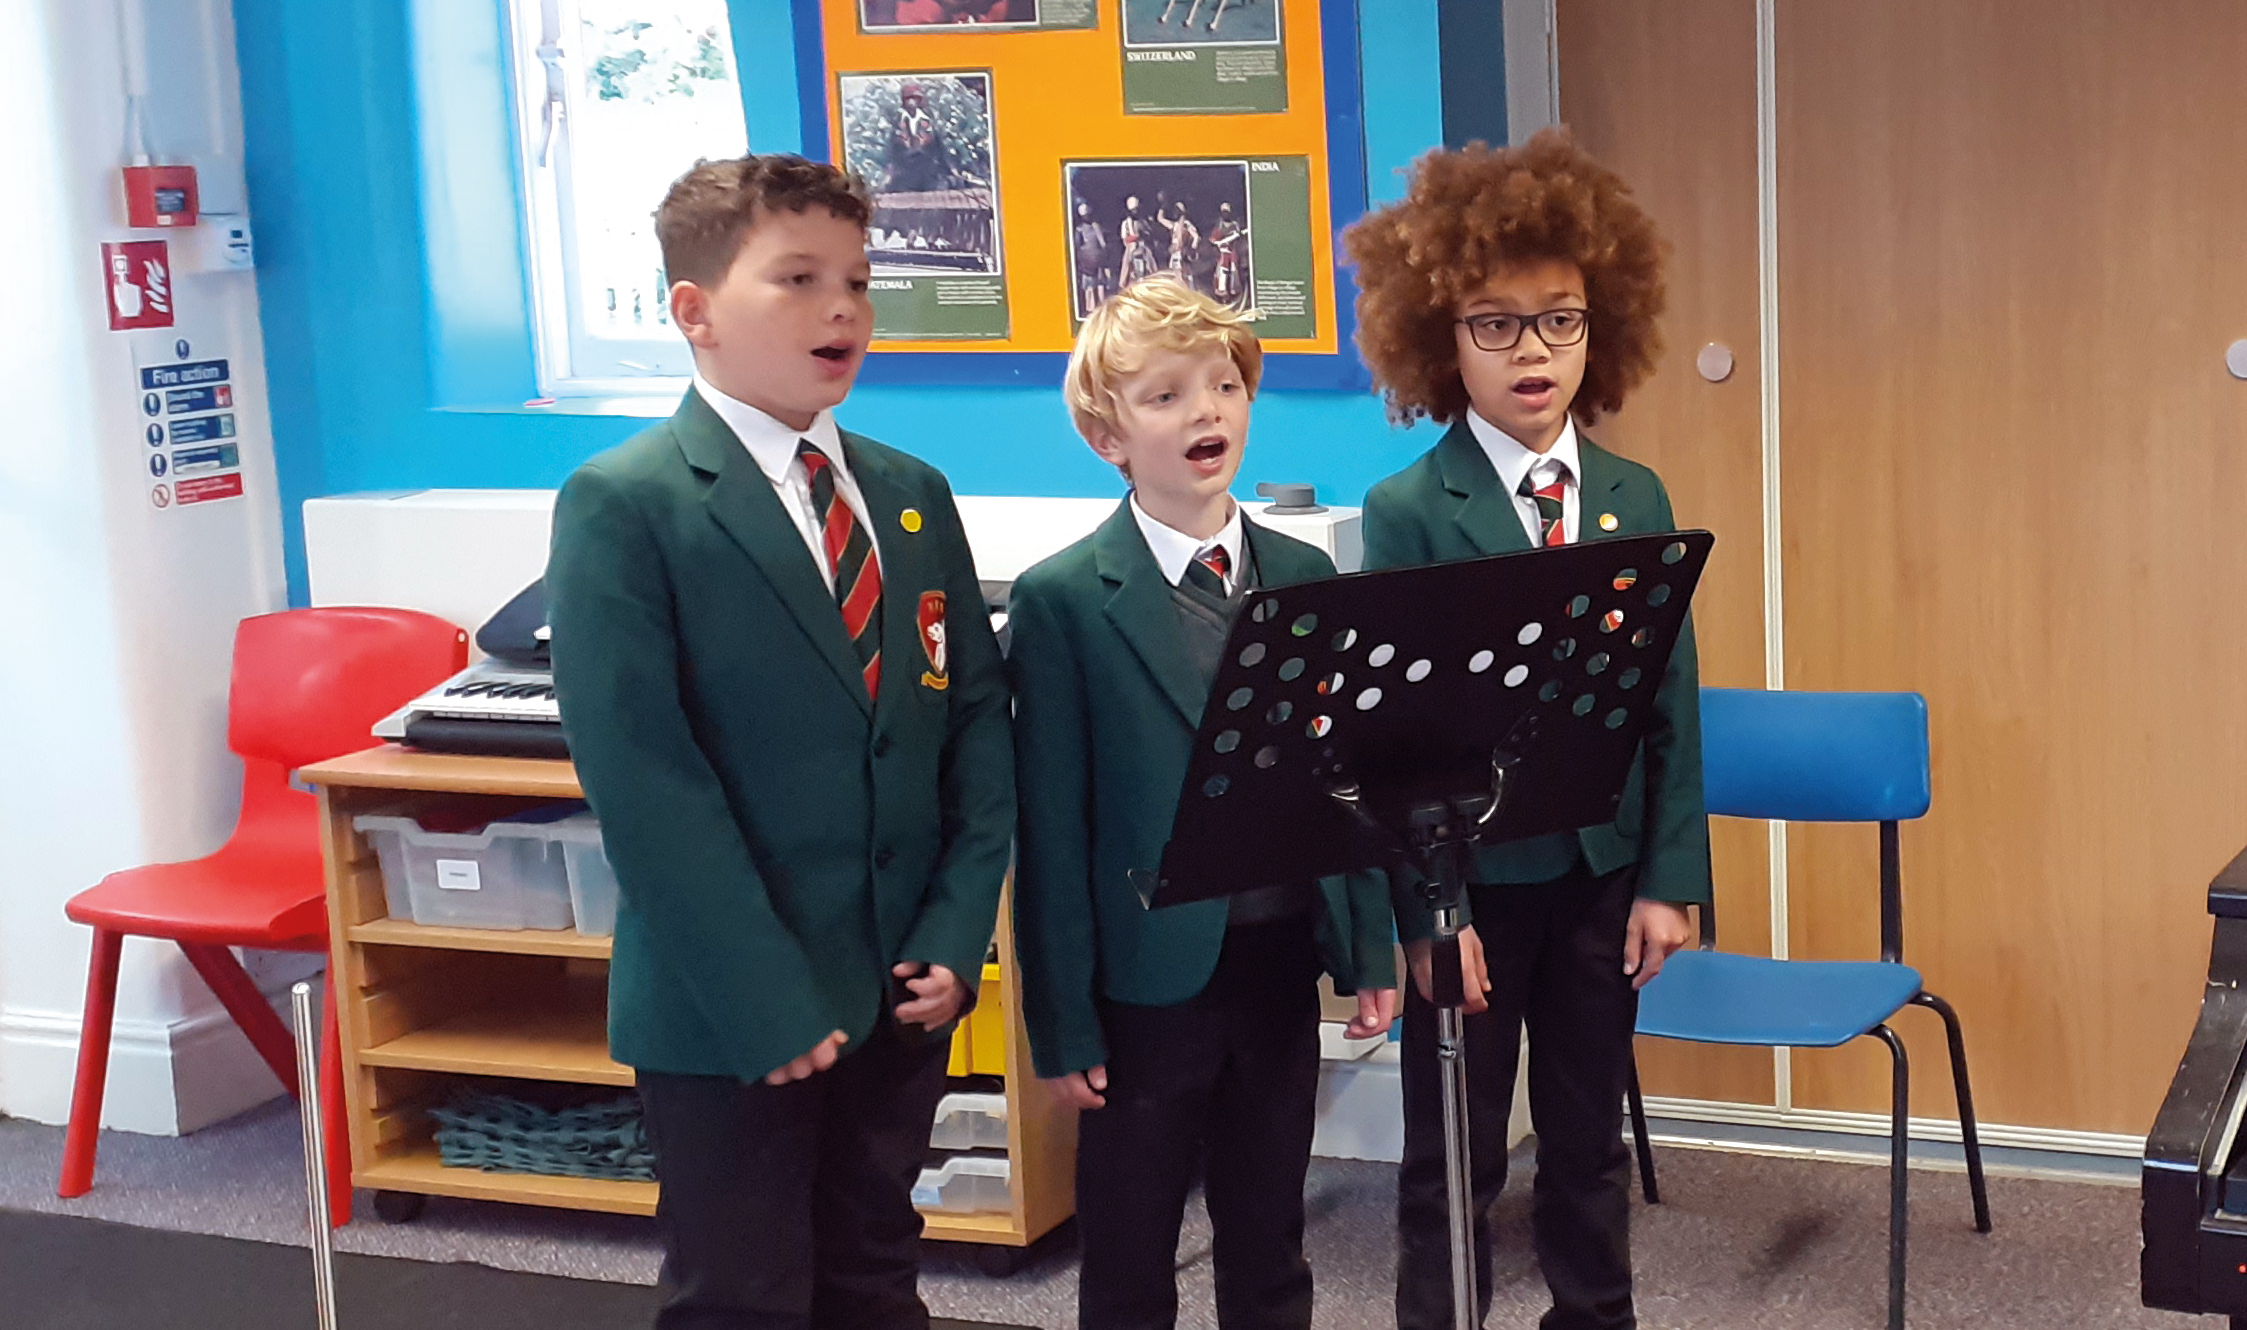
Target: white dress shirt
772	446
1174	549
1513	461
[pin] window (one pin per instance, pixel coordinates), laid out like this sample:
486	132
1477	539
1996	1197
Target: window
615	99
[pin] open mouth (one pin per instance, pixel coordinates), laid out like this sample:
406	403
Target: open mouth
1208	450
1532	387
836	352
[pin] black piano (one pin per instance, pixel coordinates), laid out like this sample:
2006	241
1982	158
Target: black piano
2195	1217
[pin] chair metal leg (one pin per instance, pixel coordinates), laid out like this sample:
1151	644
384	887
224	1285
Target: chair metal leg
1638	1136
83	1137
1899	1174
238	994
1967	1130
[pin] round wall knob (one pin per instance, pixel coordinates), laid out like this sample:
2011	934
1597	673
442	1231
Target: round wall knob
2235	358
1714	362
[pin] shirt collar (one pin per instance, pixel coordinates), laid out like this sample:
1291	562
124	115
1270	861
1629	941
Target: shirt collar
1174	549
1513	461
771	444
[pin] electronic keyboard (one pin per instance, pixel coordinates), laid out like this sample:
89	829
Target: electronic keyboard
491	709
497	709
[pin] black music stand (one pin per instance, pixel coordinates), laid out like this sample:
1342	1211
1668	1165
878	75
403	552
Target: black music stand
1395	719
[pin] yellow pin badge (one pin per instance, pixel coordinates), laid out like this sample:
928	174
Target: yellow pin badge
1608	522
910	519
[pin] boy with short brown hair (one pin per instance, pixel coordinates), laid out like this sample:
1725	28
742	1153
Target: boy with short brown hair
786	705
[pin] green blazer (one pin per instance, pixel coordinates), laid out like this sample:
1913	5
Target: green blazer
1106	705
779	840
1449	504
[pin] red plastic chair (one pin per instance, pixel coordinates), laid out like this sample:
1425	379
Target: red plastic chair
307	686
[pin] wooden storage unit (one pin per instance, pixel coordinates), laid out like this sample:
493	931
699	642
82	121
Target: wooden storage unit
421	1007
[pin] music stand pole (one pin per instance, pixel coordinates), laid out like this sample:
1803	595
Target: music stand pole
1451	1052
315	1152
1439	833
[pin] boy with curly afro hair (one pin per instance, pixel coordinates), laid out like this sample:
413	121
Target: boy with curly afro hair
1512	295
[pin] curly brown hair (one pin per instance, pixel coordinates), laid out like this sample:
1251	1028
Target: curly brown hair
702	220
1470	212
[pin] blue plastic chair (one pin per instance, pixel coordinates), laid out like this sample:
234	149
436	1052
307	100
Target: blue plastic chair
1814	757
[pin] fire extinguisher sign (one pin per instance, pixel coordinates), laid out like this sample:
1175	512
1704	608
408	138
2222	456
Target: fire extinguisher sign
137	282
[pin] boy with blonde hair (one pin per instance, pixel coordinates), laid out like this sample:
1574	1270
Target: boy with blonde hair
1191	1028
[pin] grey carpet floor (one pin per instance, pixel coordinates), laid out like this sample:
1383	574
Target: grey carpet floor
1741	1240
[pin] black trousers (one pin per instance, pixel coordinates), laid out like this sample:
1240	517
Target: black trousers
791	1205
1231	1076
1555	956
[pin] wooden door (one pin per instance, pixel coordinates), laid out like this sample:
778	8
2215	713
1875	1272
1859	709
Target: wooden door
2010	260
1665	93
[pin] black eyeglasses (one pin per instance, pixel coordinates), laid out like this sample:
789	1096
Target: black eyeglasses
1555	327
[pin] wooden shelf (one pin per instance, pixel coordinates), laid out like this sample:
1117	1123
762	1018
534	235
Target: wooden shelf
421	1005
994	1227
552	1035
394	768
520	942
418	1169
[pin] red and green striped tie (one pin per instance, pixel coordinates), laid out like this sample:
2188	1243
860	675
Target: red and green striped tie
1550	508
850	557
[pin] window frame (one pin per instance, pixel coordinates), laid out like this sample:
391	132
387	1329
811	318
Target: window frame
570	361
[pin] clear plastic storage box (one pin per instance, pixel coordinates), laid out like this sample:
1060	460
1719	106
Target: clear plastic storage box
592	881
509	875
970	1122
965	1184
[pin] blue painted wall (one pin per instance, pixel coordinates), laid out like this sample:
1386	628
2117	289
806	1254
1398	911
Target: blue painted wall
391	279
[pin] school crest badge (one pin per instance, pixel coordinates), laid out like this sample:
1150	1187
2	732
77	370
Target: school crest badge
932	641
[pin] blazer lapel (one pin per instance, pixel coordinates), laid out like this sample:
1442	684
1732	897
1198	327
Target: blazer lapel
1487	515
904	573
741	501
1278	562
1601	493
1141	610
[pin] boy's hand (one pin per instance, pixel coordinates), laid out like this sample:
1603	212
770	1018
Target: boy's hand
938	995
1658	929
1377	1010
1083	1090
820	1058
1475	975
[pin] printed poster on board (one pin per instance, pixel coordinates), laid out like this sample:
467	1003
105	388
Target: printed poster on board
1203	57
1237	229
924	144
883	17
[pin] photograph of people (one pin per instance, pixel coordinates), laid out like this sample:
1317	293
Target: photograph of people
1197	229
923	143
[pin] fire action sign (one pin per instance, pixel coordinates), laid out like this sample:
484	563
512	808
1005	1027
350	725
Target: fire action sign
187	425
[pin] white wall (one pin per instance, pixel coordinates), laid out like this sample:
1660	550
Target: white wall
116	619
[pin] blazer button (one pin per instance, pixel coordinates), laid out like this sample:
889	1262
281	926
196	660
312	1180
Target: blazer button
881	746
884	857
